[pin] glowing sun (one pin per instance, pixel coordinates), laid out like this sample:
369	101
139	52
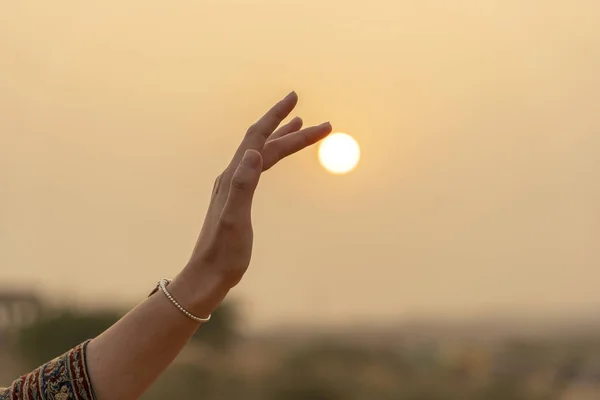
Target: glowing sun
339	153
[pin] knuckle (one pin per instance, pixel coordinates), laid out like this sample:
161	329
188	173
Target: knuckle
306	140
229	228
252	130
227	223
279	113
238	183
303	141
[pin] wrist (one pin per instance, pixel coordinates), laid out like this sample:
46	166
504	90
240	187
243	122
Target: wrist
198	291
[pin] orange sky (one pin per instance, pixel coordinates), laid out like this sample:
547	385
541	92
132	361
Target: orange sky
479	122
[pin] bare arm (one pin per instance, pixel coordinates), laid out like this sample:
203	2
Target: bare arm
125	360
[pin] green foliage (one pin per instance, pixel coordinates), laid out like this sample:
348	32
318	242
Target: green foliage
222	329
183	382
502	391
59	331
308	390
324	369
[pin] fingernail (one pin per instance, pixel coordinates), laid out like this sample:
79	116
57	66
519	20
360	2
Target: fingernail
326	124
291	94
251	159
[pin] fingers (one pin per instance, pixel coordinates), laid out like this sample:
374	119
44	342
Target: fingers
257	134
294	125
242	187
282	147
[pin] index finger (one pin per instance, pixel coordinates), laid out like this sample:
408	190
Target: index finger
258	133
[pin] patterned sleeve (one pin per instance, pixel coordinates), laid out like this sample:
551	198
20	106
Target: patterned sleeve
64	378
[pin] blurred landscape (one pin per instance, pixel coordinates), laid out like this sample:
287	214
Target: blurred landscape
459	261
481	358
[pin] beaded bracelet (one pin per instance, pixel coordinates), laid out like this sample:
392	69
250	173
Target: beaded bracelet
162	285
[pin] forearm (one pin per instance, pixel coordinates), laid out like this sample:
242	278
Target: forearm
126	359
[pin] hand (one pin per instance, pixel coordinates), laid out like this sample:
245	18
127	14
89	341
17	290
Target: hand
222	253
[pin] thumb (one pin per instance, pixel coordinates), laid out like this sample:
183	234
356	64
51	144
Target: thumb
243	184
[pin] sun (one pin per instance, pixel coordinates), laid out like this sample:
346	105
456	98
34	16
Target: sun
339	153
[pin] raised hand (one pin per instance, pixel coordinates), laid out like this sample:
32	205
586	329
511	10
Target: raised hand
125	360
222	253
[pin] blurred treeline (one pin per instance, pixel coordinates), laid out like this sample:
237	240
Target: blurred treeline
222	363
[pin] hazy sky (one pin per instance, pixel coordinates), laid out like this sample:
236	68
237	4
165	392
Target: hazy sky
479	122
